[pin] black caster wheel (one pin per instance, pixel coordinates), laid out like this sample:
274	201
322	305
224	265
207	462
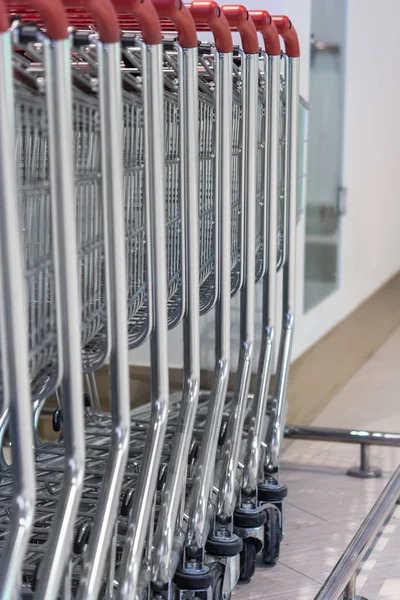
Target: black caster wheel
86	400
247	560
81	538
218	571
223	431
57	420
196	582
127	503
272	536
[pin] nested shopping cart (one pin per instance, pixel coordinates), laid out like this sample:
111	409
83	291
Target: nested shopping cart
258	517
220	568
94	184
180	109
45	186
139	83
270	490
249	517
14	367
208	204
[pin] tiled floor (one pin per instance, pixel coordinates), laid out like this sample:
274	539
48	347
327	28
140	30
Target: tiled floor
325	507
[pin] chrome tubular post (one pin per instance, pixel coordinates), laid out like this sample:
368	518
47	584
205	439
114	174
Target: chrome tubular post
198	510
146	485
110	91
282	169
227	496
163	567
276	422
14	342
256	429
59	98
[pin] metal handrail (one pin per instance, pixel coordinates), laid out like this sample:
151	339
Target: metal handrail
344	436
342	580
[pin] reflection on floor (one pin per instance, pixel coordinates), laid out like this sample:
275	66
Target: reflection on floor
325	507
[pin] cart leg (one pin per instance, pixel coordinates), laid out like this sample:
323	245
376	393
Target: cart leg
364	471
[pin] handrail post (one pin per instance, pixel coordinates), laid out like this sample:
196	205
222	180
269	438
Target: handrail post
341	583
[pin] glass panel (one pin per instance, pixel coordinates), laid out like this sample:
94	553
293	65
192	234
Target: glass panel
325	150
302	153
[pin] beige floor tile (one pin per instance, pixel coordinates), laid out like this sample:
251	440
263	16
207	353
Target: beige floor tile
279	583
325	507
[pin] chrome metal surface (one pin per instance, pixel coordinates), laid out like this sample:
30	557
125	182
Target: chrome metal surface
59	102
276	418
127	577
259	404
14	374
110	92
364	471
197	521
227	483
163	567
346	567
254	532
344	436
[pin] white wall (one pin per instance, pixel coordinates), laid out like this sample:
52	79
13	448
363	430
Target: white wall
370	240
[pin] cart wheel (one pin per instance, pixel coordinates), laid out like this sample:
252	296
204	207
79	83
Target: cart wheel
223	431
272	536
57	419
218	571
247	560
81	538
86	400
126	503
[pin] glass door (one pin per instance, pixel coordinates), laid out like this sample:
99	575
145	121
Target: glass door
325	201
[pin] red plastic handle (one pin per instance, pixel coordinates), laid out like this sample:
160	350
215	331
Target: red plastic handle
265	25
51	13
209	16
103	14
144	12
239	20
176	12
288	34
3	18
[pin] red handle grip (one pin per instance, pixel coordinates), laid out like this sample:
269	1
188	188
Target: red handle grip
288	34
239	20
209	16
265	25
176	12
3	18
145	14
51	13
103	14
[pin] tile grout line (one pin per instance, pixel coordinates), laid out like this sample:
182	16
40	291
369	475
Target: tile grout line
300	573
307	513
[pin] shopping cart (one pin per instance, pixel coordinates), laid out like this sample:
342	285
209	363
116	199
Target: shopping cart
249	517
145	235
270	490
179	66
214	81
45	182
222	546
169	540
14	371
92	190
